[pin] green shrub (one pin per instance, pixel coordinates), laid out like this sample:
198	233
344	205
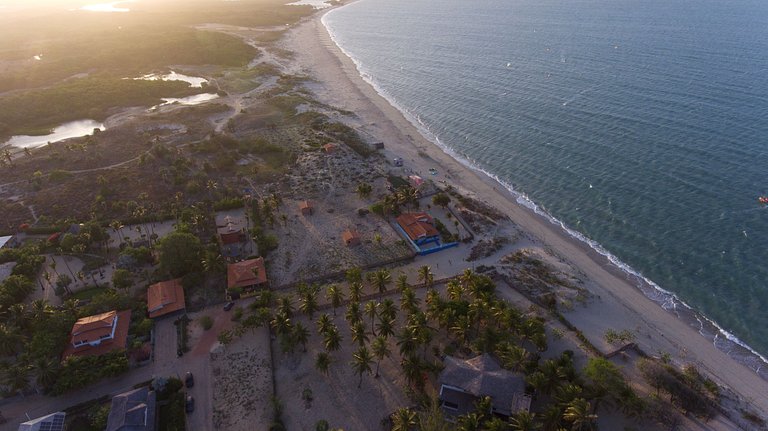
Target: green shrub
206	322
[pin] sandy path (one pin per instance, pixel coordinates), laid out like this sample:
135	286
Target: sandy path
620	304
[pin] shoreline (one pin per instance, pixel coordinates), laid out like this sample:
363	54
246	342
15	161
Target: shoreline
342	84
734	347
666	299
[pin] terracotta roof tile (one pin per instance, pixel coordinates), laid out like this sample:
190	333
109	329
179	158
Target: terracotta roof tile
241	274
165	297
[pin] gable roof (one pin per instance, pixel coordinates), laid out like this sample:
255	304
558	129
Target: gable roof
417	225
165	297
241	274
4	240
106	345
132	411
93	327
483	376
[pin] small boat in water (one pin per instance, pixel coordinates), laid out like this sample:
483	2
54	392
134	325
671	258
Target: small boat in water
763	200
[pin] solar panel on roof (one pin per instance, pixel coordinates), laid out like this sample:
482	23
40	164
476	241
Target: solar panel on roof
55	423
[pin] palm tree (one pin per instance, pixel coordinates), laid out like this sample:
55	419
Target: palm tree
548	378
381	279
363	190
285	306
406	341
308	302
434	304
523	421
513	357
282	324
17	377
10	338
332	339
388	309
46	371
386	327
355	289
336	296
380	351
361	363
408	301
323	362
354	275
300	335
426	276
495	424
403	419
579	414
353	314
324	323
370	310
401	282
470	422
565	394
358	333
40	310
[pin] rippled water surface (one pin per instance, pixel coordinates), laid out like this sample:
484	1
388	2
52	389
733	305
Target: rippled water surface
643	125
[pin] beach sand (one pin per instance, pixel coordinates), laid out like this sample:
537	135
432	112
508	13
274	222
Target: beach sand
616	303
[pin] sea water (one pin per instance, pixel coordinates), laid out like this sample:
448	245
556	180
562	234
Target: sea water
641	126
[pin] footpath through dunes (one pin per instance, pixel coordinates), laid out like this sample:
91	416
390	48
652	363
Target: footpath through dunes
339	84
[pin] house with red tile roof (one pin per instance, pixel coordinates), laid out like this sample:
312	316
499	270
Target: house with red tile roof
420	227
99	334
247	275
165	297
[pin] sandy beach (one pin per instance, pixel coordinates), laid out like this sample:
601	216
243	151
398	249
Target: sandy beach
616	302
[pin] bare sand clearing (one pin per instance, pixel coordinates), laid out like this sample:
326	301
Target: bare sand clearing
617	302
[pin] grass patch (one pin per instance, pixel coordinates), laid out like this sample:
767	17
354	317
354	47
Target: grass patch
88	293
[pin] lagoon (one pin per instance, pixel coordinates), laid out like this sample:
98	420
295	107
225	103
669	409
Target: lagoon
193	81
69	130
189	100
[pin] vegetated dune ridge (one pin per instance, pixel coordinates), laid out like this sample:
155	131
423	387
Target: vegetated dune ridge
618	301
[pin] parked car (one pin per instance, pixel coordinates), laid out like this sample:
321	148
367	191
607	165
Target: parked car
190	404
229	306
189	380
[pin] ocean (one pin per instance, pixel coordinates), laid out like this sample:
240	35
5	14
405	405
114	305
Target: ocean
639	126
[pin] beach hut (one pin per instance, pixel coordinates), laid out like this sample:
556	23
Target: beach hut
306	208
350	238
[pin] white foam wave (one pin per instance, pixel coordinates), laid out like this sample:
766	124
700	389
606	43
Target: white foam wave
666	299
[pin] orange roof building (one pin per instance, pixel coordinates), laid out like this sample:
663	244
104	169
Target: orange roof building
350	237
247	274
165	297
99	334
329	148
420	227
306	208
